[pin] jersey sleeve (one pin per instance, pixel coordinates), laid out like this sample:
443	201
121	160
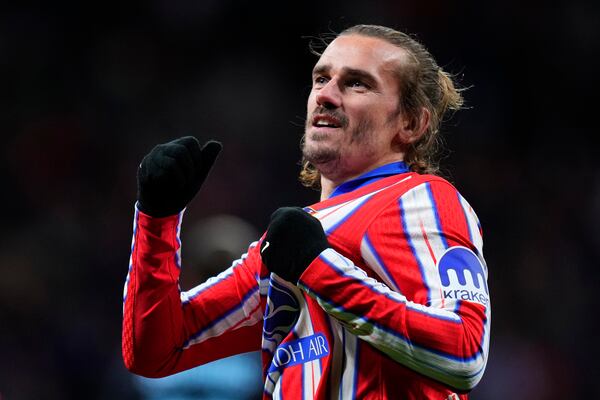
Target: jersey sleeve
427	304
165	330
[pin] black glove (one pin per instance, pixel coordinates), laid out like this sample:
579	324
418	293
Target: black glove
171	174
293	240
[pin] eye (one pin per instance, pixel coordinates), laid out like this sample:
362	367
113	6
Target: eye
357	83
320	80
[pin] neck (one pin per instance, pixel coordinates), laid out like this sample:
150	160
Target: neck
327	187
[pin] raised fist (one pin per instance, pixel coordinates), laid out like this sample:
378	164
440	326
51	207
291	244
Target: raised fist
171	174
294	239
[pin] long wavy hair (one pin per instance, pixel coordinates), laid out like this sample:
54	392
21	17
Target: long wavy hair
422	84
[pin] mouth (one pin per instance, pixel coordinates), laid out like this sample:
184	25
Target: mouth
326	121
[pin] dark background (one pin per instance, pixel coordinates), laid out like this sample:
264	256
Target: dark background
87	89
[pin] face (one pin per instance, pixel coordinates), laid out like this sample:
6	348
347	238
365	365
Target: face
353	113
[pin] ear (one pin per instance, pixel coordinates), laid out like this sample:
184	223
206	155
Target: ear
412	127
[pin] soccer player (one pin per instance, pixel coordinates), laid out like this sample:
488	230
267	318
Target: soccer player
378	291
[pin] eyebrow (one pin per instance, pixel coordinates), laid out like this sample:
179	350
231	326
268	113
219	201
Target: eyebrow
348	72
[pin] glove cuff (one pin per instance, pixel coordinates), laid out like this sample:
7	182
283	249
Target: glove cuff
156	211
154	214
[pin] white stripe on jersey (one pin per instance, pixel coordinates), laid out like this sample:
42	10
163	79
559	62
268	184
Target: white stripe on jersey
311	370
422	227
277	392
263	284
473	223
475	234
271	382
343	362
135	222
337	359
347	389
178	237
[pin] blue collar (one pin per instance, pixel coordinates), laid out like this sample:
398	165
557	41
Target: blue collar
372	176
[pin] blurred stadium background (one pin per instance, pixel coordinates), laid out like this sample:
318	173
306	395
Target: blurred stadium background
88	88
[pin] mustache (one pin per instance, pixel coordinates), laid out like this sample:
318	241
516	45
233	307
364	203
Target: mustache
336	114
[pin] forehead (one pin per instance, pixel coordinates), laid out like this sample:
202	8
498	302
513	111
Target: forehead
370	54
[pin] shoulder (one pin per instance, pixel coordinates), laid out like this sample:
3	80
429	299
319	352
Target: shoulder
417	186
423	196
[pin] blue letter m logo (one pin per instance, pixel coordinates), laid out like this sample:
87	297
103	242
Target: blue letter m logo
453	267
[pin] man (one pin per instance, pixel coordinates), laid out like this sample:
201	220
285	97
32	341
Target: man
376	292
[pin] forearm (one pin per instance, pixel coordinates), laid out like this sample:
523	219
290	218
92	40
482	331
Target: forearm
153	326
447	345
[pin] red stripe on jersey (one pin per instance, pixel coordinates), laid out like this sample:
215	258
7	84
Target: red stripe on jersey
392	245
451	215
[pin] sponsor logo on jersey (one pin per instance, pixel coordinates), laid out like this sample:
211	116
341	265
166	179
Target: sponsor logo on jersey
299	351
280	316
462	276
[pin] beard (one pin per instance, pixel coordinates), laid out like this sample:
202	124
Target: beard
318	153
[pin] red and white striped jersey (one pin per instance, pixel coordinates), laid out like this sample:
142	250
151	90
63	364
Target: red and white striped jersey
397	308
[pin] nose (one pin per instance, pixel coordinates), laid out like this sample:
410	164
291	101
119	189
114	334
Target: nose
329	96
